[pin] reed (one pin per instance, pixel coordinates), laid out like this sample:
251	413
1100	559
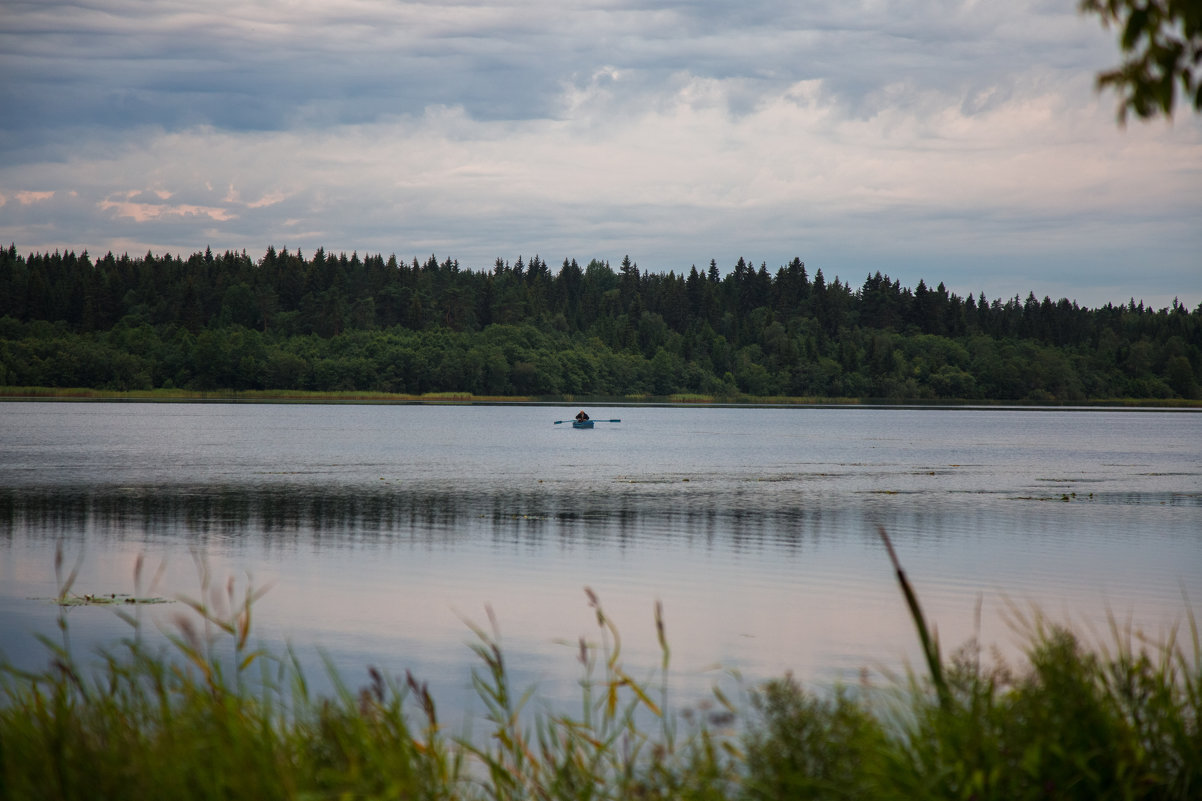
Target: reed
206	715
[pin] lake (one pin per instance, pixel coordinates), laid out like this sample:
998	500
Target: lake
381	529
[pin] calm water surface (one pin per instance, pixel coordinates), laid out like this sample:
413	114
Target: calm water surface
383	528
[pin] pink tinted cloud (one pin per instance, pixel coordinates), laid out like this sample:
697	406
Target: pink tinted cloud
29	198
145	212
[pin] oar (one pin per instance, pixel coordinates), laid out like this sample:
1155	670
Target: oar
557	422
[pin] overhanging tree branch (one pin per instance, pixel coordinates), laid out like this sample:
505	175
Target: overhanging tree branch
1162	45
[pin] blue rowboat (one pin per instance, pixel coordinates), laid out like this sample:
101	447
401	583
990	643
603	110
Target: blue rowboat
582	424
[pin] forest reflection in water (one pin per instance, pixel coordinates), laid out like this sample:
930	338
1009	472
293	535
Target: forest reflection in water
292	516
311	516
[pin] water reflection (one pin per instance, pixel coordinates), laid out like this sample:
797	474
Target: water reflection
291	516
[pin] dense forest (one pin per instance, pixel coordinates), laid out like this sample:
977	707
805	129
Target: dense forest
329	323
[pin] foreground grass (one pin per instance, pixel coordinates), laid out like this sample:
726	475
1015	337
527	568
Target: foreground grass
213	717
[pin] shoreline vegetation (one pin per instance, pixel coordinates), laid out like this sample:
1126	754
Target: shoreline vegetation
211	716
467	399
386	329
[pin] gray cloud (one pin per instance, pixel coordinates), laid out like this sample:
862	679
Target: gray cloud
239	67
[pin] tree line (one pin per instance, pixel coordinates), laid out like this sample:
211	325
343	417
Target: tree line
368	323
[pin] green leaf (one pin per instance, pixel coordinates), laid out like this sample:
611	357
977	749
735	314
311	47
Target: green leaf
1134	29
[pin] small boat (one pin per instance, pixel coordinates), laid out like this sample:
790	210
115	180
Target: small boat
585	423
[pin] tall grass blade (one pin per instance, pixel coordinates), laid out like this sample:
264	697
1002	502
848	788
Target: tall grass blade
930	643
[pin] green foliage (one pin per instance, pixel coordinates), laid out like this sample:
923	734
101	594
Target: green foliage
1075	725
809	747
1162	45
1078	724
330	324
213	717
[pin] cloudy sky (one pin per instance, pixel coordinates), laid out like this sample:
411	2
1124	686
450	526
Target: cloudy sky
952	140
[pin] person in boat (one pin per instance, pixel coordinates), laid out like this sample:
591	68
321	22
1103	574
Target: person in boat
581	416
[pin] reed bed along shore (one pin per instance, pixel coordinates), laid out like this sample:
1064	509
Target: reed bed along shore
164	395
207	715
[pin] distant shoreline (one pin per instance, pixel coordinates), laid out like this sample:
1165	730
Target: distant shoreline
468	399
